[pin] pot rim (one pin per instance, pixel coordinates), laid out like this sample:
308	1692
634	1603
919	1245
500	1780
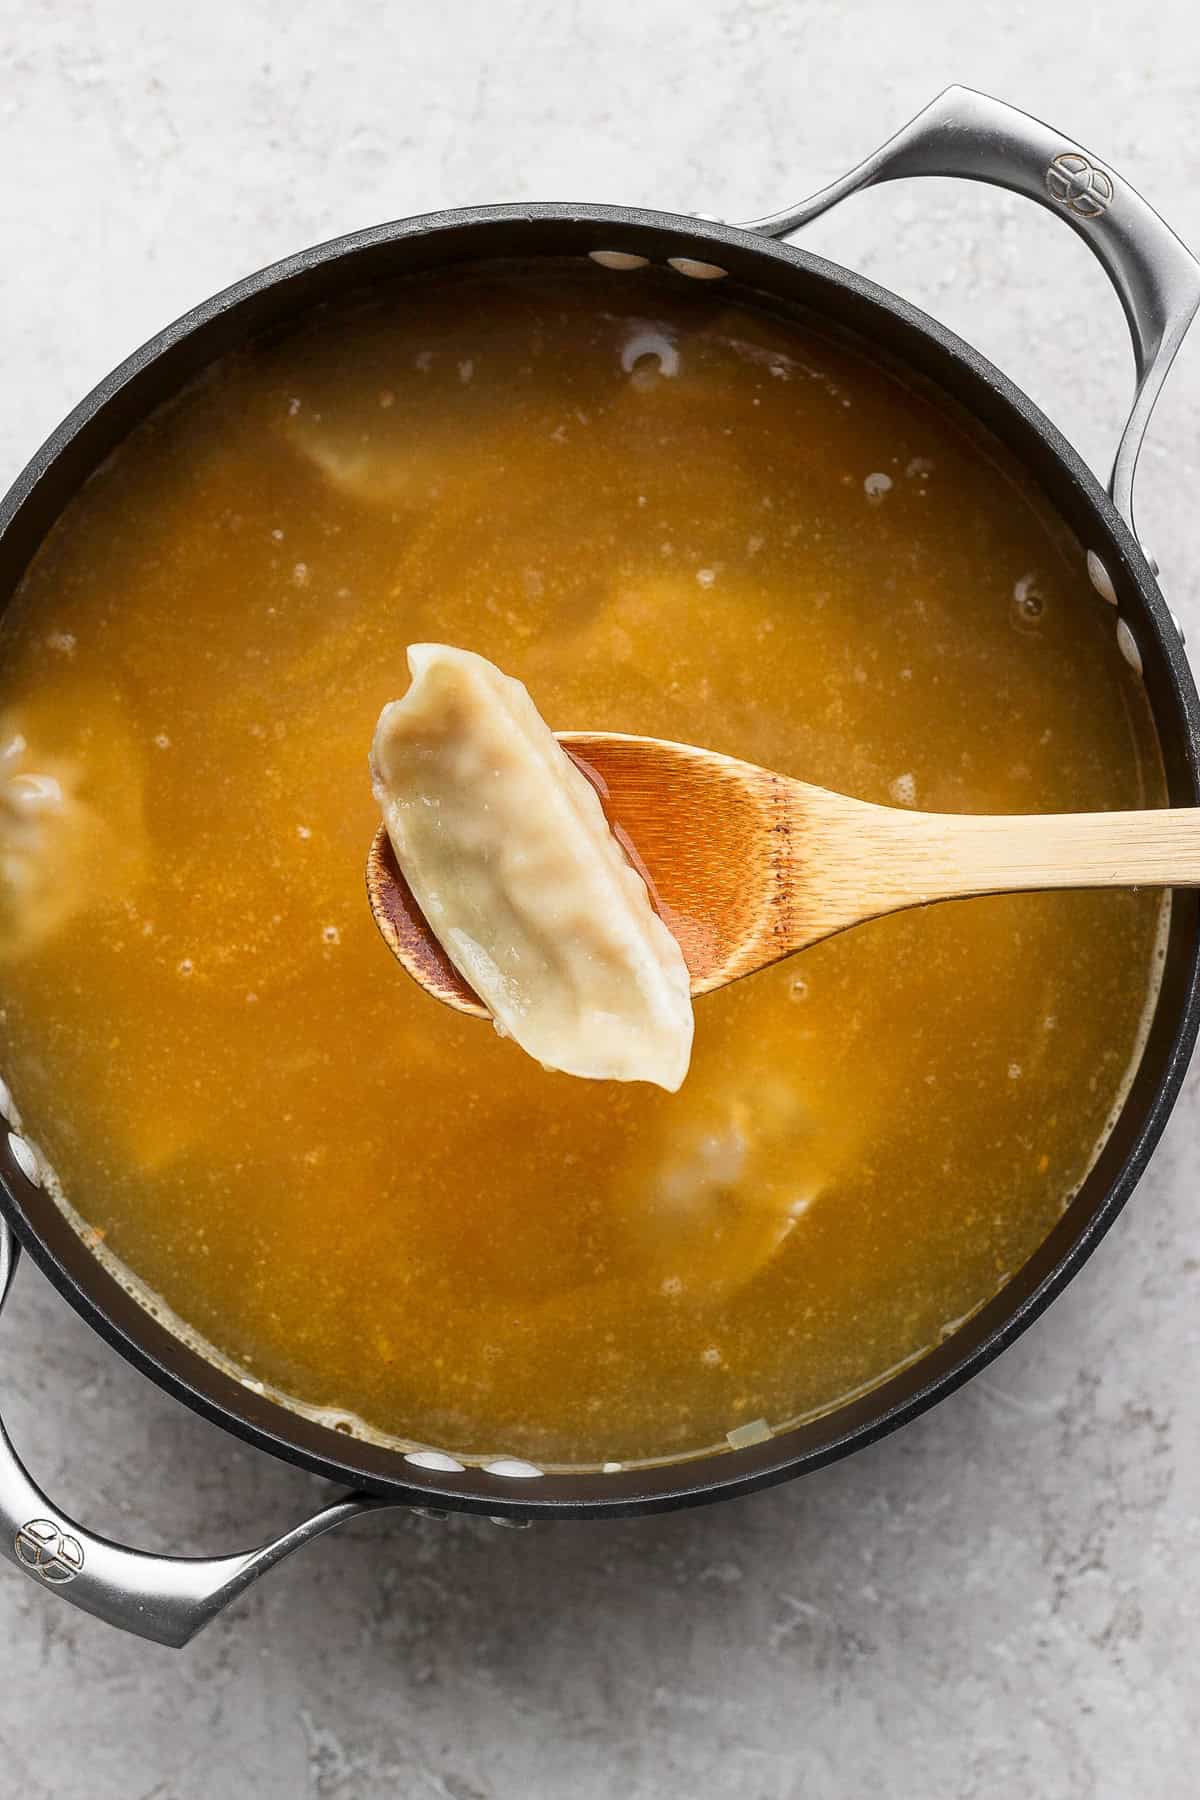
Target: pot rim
727	1472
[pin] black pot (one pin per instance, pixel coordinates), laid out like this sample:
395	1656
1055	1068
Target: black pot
964	134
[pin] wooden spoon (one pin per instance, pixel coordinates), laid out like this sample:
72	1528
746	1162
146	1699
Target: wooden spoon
747	867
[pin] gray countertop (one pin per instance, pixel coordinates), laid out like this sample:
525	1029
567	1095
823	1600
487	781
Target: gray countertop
993	1603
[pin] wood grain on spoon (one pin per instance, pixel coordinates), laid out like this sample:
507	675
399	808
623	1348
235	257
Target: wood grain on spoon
747	867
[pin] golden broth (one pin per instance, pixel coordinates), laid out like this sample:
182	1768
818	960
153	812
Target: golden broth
666	514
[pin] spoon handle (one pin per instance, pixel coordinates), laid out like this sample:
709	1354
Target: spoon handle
935	856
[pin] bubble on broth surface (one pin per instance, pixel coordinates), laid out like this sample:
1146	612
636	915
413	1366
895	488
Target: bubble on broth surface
1028	603
650	352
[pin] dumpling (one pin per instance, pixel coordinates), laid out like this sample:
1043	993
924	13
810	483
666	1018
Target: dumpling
72	832
508	854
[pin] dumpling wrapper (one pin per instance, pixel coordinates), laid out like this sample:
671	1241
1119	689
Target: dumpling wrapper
508	854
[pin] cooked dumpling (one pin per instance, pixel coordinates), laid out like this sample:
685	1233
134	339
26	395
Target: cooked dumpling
508	854
378	467
72	833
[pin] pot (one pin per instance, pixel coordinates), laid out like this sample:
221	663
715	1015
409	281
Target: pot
1158	282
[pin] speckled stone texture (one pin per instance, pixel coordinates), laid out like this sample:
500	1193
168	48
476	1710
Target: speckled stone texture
993	1604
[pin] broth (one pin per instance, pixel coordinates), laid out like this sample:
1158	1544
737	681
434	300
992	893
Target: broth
670	513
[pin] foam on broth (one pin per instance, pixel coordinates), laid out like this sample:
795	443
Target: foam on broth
669	514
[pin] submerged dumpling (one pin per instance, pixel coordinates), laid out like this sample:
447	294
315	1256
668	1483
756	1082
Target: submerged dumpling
508	854
72	831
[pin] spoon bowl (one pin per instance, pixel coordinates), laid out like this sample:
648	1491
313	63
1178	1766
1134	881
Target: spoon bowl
688	820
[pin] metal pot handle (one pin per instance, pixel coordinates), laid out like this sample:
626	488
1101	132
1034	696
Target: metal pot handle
165	1598
1156	277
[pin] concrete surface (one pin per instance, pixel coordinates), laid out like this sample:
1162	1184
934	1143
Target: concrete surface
992	1605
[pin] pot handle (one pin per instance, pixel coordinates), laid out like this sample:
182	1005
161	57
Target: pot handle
1156	277
165	1598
